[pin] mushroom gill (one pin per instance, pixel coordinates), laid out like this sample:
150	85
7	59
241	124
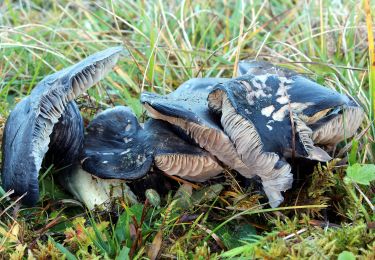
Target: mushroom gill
66	139
186	108
188	167
175	156
275	174
340	127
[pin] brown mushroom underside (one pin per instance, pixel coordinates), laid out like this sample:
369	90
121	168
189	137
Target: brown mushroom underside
341	127
190	167
214	141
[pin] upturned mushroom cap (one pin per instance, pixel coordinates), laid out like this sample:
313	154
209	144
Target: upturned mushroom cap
30	124
332	117
175	156
186	108
115	146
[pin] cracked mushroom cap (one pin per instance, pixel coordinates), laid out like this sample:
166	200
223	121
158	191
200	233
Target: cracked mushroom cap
256	117
186	109
30	124
175	156
261	115
267	113
333	117
115	146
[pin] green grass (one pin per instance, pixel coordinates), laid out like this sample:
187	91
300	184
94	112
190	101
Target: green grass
167	43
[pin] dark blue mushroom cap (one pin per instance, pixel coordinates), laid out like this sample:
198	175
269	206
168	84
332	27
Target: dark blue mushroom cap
116	146
260	101
295	88
30	124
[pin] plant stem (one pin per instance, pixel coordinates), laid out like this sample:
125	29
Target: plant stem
350	189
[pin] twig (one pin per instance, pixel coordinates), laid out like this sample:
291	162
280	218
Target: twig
295	234
213	235
138	237
365	197
195	186
12	204
349	145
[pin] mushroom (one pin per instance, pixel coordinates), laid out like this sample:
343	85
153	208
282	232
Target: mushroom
268	104
267	112
332	117
30	124
186	109
117	147
86	187
111	154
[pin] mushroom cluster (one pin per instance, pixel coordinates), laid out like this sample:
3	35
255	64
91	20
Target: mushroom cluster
251	124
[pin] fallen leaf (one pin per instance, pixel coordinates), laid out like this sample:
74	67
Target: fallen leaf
154	249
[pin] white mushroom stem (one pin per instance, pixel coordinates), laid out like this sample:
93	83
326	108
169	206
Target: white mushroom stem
94	191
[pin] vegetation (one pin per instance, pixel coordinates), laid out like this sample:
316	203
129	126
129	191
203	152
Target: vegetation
329	212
